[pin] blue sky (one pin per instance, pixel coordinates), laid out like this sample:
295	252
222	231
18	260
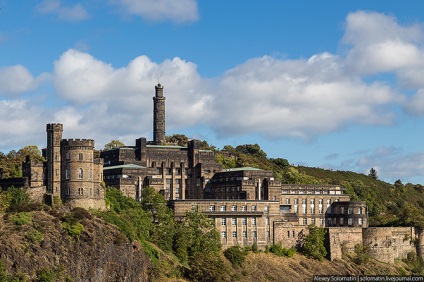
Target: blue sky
331	84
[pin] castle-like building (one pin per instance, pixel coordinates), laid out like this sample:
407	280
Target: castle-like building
249	206
70	172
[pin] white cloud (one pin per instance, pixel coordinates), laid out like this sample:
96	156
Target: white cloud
66	13
161	10
17	79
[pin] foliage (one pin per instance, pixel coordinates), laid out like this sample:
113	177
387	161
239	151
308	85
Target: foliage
46	275
415	263
57	202
113	144
179	139
236	255
361	256
277	249
34	236
19	199
73	229
5	201
12	161
206	268
21	218
373	173
313	245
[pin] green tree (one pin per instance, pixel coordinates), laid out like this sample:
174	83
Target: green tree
313	245
163	223
373	173
113	144
179	139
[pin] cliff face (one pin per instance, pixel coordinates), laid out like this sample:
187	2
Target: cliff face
42	245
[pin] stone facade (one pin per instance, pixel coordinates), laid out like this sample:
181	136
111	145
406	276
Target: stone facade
239	222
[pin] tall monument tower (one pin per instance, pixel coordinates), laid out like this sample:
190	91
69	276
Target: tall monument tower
159	116
54	137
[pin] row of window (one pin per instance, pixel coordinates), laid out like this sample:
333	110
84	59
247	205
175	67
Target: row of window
244	234
80	174
80	191
309	192
68	157
234	208
304	201
243	221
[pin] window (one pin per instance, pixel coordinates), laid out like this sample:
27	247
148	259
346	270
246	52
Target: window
254	235
288	233
265	208
253	208
350	211
296	201
223	234
321	221
267	221
341	221
222	208
233	208
80	156
80	191
313	221
67	176
312	210
293	233
244	234
68	191
287	201
234	221
312	201
320	201
320	209
342	210
211	208
80	173
329	221
295	209
244	221
304	201
253	220
168	171
243	208
305	221
223	221
350	221
67	156
98	192
359	221
304	210
267	234
234	234
359	211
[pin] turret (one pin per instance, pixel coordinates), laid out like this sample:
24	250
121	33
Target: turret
159	116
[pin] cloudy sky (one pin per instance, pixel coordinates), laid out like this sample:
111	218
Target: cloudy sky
330	84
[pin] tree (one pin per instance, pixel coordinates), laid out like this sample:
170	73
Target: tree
313	245
113	144
179	139
373	173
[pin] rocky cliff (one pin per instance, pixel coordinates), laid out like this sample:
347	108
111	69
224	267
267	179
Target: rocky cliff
41	243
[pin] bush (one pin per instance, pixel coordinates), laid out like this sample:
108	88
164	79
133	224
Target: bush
34	236
74	230
361	256
21	218
277	249
46	275
313	245
235	255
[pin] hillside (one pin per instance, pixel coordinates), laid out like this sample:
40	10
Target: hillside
388	204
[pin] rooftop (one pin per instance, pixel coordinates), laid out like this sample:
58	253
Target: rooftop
123	166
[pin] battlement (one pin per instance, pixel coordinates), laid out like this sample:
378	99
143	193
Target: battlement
78	142
54	127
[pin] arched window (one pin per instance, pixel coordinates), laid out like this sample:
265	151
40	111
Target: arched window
80	173
80	191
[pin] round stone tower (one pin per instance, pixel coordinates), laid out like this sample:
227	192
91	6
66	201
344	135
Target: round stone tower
54	137
81	174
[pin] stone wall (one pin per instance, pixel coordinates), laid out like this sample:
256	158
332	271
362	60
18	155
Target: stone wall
289	234
342	239
389	243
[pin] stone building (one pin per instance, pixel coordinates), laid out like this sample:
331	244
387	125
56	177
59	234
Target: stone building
70	172
177	172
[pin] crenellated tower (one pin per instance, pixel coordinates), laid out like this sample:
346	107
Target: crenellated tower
54	136
82	175
159	116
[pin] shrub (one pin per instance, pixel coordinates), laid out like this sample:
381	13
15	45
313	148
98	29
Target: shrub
21	218
361	255
74	230
46	275
34	236
277	249
313	246
235	255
